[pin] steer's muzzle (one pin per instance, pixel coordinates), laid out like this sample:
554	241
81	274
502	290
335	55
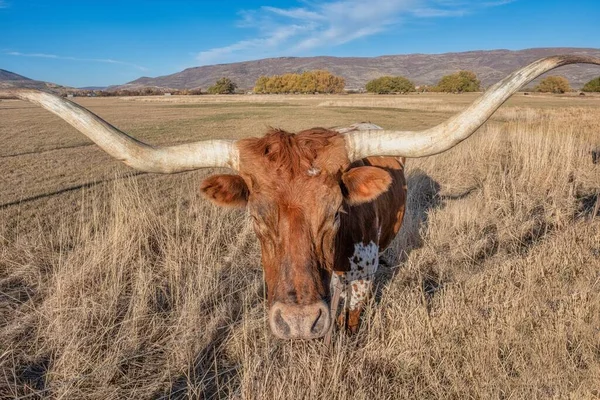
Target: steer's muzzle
292	321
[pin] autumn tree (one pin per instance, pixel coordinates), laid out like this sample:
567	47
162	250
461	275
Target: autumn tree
223	86
261	84
592	86
306	82
326	82
390	84
553	84
459	82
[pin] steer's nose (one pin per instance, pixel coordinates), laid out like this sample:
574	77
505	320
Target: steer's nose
292	321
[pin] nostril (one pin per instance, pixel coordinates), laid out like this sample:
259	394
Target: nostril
319	324
280	324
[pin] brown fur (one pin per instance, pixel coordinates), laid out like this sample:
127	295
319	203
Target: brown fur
225	190
310	206
293	154
365	184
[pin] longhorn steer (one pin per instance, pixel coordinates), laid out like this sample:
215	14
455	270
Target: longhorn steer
324	202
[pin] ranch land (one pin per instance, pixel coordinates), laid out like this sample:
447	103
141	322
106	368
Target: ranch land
119	284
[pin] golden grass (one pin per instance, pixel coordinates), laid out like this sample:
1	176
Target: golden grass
137	288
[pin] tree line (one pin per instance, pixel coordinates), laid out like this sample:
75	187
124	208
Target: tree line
466	81
319	81
459	82
142	91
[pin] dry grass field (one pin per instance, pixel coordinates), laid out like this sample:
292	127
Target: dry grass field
115	284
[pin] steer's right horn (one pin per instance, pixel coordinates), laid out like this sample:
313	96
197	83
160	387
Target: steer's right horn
364	143
136	154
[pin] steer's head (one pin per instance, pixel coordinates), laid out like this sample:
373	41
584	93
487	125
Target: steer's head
295	186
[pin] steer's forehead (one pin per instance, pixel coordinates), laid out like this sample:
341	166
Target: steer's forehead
279	156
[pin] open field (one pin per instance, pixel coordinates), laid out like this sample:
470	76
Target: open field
115	284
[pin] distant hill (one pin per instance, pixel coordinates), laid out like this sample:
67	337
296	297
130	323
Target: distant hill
6	76
92	88
490	66
10	80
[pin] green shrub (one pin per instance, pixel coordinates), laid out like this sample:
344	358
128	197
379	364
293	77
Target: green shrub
223	86
390	84
459	82
592	86
553	84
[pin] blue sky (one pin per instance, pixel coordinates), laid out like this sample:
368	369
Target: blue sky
92	42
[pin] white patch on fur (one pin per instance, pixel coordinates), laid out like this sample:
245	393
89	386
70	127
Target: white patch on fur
358	281
313	171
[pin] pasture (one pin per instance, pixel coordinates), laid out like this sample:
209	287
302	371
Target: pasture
119	284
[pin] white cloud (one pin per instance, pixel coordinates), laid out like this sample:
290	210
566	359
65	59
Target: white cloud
296	13
438	12
57	57
497	3
272	41
301	30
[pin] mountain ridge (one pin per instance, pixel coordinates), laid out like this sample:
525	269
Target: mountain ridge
10	79
489	65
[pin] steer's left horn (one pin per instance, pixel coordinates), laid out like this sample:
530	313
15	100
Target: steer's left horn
136	154
364	143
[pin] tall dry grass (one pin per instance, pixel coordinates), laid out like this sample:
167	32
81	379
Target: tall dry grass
492	289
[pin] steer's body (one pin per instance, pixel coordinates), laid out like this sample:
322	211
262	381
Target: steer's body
365	230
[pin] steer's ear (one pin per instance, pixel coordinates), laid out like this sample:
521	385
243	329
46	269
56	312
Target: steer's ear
364	184
225	190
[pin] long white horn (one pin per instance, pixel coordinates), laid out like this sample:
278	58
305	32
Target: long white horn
136	154
364	143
